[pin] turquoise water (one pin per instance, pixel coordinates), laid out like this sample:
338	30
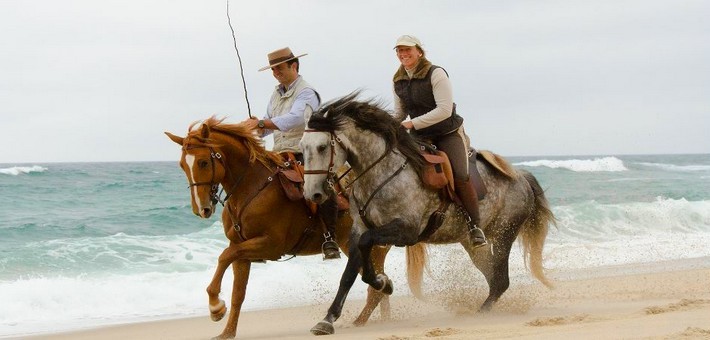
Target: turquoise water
77	211
98	243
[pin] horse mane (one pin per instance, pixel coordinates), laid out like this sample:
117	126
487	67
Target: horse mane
251	142
367	115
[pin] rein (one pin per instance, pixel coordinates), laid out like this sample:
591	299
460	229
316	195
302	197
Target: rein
332	175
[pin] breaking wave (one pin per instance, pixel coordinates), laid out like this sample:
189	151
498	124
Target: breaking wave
610	164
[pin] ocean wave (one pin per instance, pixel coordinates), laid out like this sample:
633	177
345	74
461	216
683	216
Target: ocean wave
580	165
674	167
16	170
603	222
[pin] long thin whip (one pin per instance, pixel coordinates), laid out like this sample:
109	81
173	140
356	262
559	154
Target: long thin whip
241	69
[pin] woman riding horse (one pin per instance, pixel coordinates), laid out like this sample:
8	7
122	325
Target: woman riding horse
392	206
423	92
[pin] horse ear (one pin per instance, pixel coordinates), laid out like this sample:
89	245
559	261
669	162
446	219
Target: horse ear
174	138
205	131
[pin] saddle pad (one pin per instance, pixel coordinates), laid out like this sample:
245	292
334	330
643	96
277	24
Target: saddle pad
498	163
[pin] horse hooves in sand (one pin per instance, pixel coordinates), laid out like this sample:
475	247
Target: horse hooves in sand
387	286
323	328
217	312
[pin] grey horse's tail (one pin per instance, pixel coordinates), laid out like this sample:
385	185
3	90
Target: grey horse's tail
534	231
416	262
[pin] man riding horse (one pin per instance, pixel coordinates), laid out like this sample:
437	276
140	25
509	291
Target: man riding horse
292	103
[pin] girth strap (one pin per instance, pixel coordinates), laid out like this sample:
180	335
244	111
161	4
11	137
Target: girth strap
436	219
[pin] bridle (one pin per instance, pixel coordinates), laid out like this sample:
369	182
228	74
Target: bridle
214	196
235	216
332	175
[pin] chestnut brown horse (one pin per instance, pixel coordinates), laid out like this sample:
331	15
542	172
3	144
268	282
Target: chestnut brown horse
260	220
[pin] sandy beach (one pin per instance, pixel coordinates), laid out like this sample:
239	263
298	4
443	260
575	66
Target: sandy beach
612	303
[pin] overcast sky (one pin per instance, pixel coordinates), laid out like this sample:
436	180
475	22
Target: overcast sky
101	80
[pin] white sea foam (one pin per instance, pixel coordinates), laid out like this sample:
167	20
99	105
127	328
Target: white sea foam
16	170
607	222
674	167
580	165
51	304
589	235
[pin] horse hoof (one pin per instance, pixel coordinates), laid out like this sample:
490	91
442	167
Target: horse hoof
387	286
217	312
323	328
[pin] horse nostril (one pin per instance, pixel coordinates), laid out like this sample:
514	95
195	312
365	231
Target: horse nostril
317	197
206	212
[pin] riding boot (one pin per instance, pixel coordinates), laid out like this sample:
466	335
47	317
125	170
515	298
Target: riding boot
469	200
328	212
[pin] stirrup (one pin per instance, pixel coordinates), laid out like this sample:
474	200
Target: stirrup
330	250
477	237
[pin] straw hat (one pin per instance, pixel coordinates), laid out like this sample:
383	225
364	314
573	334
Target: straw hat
280	56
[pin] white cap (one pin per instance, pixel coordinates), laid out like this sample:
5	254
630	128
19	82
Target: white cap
408	40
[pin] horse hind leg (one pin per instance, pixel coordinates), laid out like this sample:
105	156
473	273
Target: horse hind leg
493	263
374	297
498	283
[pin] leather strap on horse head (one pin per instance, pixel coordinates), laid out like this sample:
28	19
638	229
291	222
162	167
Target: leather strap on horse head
213	155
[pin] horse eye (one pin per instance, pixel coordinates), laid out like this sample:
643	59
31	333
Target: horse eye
203	163
321	148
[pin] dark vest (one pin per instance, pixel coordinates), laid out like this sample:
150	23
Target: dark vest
417	98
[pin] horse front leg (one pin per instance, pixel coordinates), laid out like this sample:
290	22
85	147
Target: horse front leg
216	305
375	297
241	270
394	232
325	327
252	249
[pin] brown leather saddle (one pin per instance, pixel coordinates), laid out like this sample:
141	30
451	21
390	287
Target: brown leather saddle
438	175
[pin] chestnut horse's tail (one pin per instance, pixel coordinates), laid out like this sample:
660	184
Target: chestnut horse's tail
416	262
534	231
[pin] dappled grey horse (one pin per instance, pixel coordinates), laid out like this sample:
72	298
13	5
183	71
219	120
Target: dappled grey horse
394	207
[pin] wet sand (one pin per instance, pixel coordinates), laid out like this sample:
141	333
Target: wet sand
614	303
